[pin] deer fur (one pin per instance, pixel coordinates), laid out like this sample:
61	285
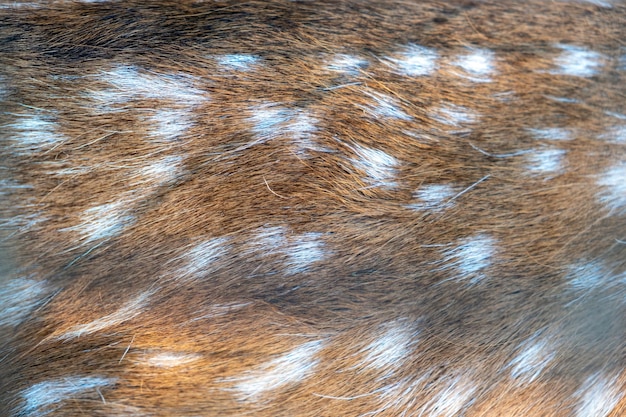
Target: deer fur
313	208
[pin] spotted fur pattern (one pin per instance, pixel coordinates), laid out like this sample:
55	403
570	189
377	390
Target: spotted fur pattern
313	208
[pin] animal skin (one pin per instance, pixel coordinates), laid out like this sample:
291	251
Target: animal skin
313	208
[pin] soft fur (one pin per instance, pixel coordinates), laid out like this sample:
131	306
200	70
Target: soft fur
313	208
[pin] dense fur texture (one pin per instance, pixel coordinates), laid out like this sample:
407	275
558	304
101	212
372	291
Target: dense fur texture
313	208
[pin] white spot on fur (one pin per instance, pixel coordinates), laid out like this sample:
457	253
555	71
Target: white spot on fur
598	396
619	116
301	129
127	312
200	259
534	355
128	83
217	310
17	5
303	251
347	64
271	121
22	221
588	276
472	256
163	171
433	197
577	61
290	368
600	3
615	134
384	106
390	350
270	238
34	133
8	185
104	221
546	161
551	133
170	124
18	297
299	251
237	62
562	99
268	120
456	393
45	397
397	394
478	65
414	61
454	115
379	166
172	359
613	188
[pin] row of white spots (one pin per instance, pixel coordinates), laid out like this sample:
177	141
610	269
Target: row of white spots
534	355
18	298
44	397
378	166
130	310
179	91
271	120
105	221
476	65
471	257
171	120
300	251
290	368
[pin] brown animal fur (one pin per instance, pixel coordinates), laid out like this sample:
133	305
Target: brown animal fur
190	232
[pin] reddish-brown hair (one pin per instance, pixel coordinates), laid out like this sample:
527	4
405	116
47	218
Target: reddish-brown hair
313	208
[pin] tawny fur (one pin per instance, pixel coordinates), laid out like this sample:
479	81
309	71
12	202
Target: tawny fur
220	208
